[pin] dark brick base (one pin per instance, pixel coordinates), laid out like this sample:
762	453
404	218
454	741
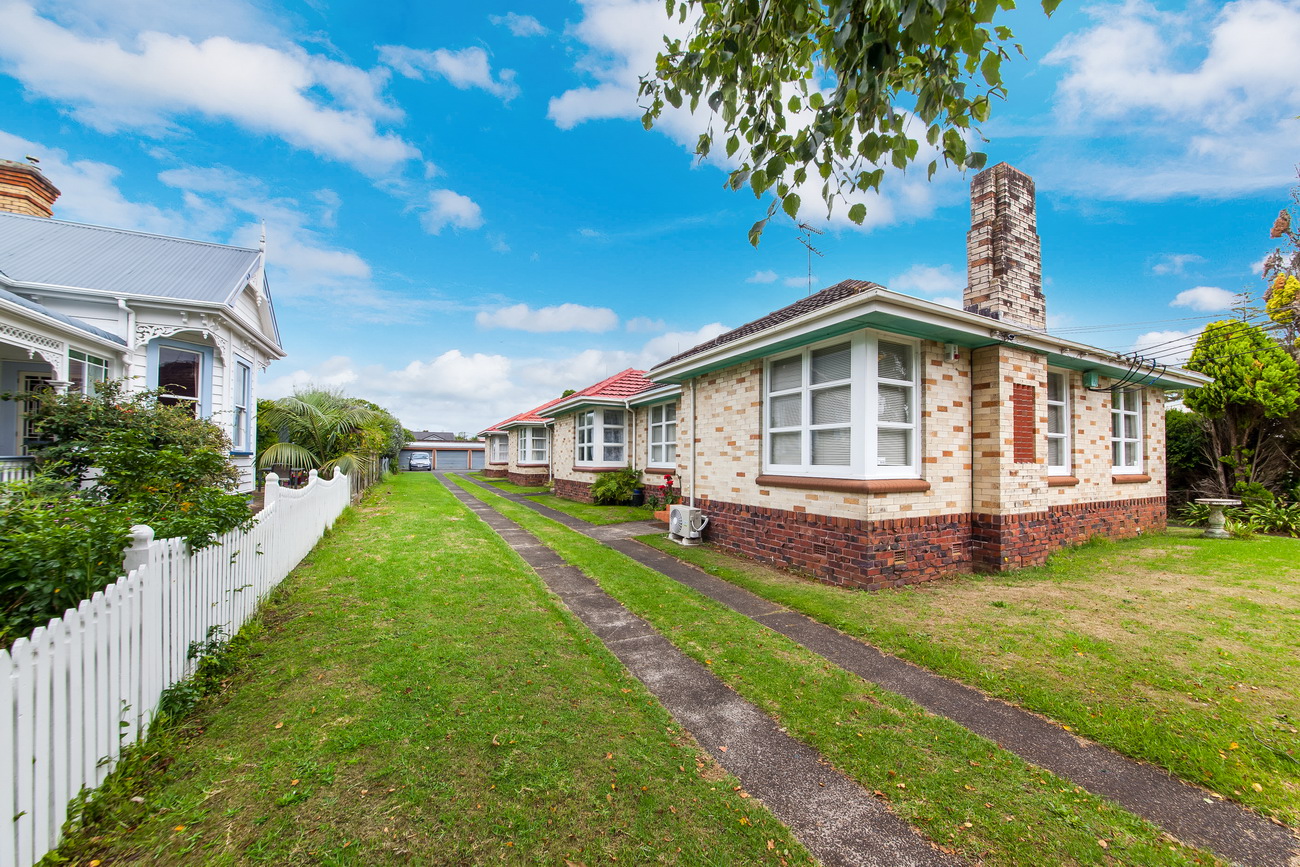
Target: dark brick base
572	490
527	479
872	555
1011	541
867	555
494	472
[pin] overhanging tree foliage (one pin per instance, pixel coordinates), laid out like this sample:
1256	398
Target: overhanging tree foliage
326	430
805	89
1248	408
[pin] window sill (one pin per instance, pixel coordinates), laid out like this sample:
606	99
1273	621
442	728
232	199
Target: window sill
498	463
543	464
240	454
1130	478
653	470
846	486
609	469
1062	481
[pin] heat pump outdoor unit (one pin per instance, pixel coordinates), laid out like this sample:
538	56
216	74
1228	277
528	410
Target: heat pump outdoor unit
686	524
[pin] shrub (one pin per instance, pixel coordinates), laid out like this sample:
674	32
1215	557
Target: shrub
615	487
105	462
1275	517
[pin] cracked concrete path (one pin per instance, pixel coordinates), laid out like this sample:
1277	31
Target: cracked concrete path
838	820
1188	812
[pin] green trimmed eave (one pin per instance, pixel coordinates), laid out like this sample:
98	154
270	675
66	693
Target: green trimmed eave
968	335
651	397
585	404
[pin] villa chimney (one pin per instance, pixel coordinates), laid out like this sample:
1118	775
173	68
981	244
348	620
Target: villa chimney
1003	255
24	190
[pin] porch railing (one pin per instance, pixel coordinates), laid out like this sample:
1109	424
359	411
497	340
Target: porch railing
16	469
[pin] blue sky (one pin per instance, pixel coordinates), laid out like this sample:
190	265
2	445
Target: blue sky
465	216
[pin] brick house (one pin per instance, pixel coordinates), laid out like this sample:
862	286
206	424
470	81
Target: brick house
519	448
874	439
623	420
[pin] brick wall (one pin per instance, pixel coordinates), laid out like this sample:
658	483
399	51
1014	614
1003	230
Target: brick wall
526	479
572	489
1027	539
844	551
498	472
899	551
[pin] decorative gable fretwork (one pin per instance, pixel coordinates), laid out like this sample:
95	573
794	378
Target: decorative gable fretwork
55	352
146	332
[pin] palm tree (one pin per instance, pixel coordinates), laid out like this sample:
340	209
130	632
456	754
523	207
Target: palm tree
321	430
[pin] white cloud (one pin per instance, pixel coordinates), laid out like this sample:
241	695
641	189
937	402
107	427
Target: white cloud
929	280
1199	101
498	243
645	324
761	277
952	301
464	69
1167	347
800	282
447	208
1208	299
161	78
519	25
1175	263
590	233
561	317
463	391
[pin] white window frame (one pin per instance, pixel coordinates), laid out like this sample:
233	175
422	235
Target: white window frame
591	429
93	370
661	434
532	445
242	396
1067	422
1125	404
500	450
865	382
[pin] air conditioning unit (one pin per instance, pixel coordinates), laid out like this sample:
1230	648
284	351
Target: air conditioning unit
686	524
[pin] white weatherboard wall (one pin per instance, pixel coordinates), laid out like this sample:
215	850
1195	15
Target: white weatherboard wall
85	686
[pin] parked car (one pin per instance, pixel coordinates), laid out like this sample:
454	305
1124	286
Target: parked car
420	462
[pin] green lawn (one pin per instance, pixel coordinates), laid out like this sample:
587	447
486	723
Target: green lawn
599	515
511	487
415	695
1170	648
964	792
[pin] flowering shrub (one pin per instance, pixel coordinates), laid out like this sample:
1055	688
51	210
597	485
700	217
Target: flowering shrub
664	495
104	463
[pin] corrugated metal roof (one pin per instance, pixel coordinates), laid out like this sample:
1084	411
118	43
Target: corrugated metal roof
59	253
67	320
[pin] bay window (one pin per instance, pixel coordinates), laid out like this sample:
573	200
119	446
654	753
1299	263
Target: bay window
601	437
1058	424
663	435
1126	430
532	445
845	408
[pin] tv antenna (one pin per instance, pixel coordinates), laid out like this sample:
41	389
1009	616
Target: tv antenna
805	237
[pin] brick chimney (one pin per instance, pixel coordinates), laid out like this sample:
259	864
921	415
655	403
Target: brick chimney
1003	255
24	190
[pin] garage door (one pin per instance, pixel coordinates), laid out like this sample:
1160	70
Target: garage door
476	460
449	460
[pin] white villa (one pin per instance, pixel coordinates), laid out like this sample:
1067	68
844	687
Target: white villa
80	304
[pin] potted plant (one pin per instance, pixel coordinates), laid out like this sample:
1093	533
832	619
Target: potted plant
663	497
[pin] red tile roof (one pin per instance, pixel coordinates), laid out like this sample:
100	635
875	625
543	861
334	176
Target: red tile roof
536	415
824	298
618	386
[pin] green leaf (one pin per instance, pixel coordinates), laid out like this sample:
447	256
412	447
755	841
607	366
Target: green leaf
858	213
790	204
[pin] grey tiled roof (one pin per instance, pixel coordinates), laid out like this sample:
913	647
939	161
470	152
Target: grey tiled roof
824	298
67	320
59	253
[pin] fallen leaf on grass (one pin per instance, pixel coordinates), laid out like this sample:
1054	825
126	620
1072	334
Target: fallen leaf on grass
279	725
1103	844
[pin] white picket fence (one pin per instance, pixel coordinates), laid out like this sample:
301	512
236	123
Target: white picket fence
85	686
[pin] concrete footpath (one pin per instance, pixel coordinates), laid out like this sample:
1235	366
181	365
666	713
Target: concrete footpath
1187	812
838	820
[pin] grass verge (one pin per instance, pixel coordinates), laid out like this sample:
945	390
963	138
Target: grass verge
1169	648
415	695
961	790
598	515
511	487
